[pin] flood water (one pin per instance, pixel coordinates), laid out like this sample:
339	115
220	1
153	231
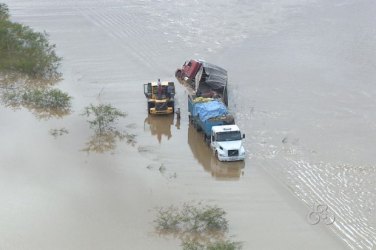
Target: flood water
301	79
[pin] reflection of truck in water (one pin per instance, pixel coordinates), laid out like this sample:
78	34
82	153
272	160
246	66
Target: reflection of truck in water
160	97
219	131
203	154
205	79
160	126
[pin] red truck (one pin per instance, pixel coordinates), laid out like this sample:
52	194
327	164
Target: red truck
205	79
188	71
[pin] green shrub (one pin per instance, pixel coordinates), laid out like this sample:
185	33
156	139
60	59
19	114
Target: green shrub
44	102
58	132
46	98
26	51
216	245
224	245
192	245
200	227
102	117
192	219
4	12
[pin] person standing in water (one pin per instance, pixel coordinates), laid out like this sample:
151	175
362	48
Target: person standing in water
159	89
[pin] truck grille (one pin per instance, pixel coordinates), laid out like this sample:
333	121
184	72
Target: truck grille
161	106
233	152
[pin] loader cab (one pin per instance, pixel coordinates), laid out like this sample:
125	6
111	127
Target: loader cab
165	91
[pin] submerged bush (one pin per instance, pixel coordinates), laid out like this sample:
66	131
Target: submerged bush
200	227
46	98
4	12
102	117
58	132
192	218
26	51
216	245
44	102
224	245
28	68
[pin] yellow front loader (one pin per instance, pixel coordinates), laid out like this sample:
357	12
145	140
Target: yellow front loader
160	97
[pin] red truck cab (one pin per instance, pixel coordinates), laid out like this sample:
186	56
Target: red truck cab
189	70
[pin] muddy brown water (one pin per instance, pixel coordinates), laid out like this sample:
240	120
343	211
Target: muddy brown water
301	87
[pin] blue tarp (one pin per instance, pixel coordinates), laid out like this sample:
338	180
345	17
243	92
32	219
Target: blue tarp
207	110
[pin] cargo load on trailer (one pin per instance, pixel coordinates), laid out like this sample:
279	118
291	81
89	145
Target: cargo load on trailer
204	79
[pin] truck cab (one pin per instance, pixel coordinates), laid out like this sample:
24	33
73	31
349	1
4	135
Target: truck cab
188	70
227	143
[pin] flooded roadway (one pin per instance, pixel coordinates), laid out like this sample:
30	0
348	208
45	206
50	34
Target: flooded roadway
302	94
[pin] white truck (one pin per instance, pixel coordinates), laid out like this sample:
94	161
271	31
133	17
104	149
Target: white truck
227	143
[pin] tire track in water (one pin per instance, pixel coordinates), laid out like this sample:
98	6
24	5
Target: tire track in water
317	182
311	184
351	228
348	189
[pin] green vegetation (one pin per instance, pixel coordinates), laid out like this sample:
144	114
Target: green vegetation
192	219
102	119
47	98
58	132
4	12
200	227
28	65
25	51
44	102
216	245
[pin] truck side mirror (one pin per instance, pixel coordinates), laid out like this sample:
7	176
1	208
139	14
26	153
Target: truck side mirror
243	136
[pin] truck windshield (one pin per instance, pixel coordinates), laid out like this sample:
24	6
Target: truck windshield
229	136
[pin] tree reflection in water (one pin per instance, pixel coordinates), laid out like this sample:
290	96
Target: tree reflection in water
37	95
107	141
